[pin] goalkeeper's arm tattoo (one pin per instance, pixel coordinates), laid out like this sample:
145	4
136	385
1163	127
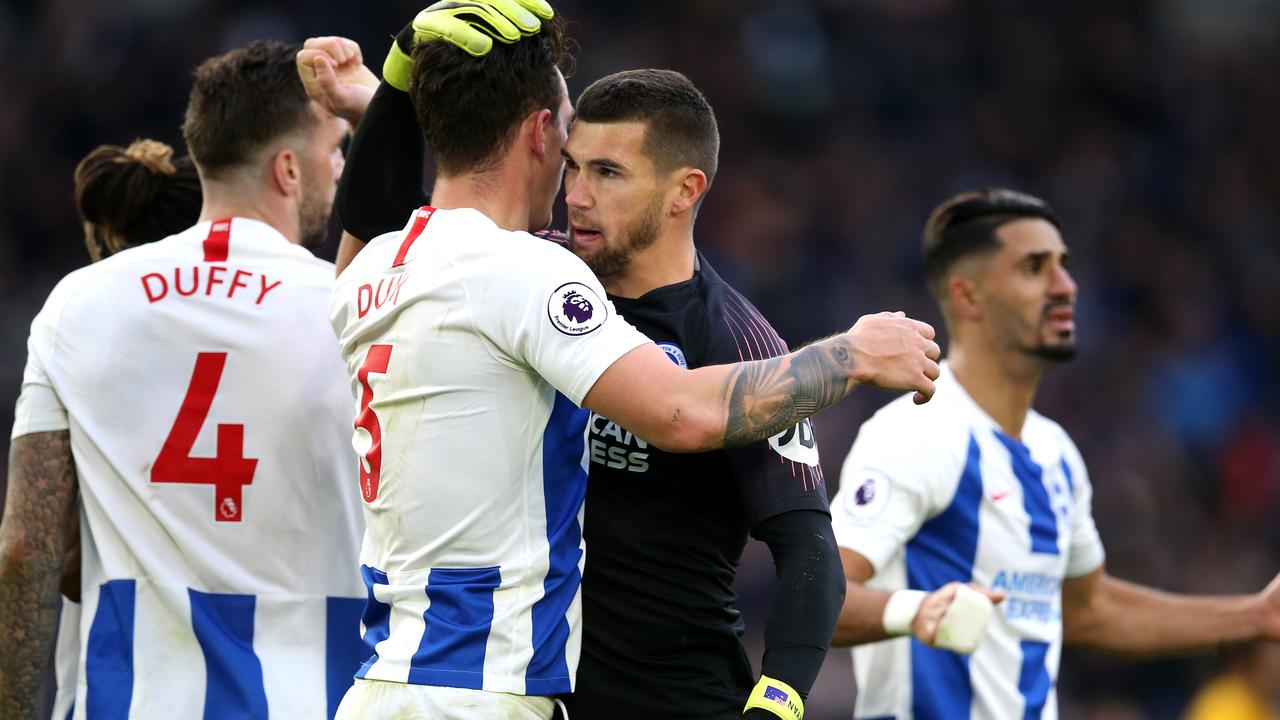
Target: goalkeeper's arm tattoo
766	397
40	498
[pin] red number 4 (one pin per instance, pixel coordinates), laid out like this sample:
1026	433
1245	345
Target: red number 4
229	470
371	461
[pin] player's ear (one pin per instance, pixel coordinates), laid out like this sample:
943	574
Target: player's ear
538	129
286	172
693	185
963	294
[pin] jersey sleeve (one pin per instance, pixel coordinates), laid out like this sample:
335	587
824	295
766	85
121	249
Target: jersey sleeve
556	319
38	408
782	473
1086	551
887	491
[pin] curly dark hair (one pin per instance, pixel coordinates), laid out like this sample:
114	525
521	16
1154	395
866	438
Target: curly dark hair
134	195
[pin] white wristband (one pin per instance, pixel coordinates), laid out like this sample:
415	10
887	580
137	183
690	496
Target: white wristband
901	611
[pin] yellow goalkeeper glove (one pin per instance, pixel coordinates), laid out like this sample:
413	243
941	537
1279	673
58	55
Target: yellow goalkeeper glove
472	25
777	698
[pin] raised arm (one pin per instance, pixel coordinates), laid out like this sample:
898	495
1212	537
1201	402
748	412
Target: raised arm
38	505
382	182
1109	614
725	405
333	73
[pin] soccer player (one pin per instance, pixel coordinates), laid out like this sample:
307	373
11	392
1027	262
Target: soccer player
462	331
125	196
190	390
661	636
976	487
129	196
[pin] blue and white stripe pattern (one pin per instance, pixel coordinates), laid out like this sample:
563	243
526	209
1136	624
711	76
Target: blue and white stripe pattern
154	650
479	628
947	496
473	550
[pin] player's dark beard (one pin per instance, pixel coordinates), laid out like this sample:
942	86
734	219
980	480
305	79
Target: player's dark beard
1052	353
313	219
642	233
1045	350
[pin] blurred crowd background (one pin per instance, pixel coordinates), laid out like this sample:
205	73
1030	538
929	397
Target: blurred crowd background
1150	125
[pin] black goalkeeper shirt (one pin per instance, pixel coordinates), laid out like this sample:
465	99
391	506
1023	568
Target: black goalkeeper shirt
665	531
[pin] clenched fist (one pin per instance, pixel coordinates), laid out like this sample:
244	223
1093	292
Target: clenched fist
333	73
894	352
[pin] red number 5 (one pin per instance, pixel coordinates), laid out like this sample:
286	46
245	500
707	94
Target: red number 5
229	470
371	461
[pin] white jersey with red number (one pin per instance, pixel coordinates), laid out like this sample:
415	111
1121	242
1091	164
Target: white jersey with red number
209	419
469	349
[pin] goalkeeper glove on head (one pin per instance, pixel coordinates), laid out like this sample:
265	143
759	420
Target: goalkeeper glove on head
472	25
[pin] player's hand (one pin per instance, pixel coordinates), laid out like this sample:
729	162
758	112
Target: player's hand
333	73
472	25
955	616
1271	611
894	352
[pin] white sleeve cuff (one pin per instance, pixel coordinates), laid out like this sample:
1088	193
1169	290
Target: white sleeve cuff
38	410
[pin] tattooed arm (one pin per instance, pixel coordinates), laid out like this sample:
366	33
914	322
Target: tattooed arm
727	405
40	500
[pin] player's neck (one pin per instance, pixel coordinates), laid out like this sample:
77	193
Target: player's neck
227	202
669	260
1003	386
505	203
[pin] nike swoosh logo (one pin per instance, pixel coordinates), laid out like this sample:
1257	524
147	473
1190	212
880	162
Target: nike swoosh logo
997	497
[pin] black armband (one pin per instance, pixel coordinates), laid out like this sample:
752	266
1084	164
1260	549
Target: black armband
382	181
807	601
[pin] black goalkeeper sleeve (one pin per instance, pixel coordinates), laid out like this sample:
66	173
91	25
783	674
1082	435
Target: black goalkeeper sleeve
807	601
382	181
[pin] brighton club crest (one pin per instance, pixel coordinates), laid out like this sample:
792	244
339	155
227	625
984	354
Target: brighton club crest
575	309
674	352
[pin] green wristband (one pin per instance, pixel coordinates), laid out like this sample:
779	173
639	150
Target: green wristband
397	68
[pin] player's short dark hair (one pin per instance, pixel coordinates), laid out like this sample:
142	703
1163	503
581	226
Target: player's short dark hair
469	107
134	195
242	101
966	225
680	127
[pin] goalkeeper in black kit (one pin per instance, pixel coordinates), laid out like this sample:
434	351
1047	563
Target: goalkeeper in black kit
664	532
661	636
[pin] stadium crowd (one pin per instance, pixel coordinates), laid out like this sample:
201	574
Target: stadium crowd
1149	125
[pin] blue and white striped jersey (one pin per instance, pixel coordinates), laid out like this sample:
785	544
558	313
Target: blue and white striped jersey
469	348
220	525
937	493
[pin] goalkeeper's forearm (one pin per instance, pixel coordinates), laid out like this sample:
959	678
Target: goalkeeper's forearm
382	182
808	599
